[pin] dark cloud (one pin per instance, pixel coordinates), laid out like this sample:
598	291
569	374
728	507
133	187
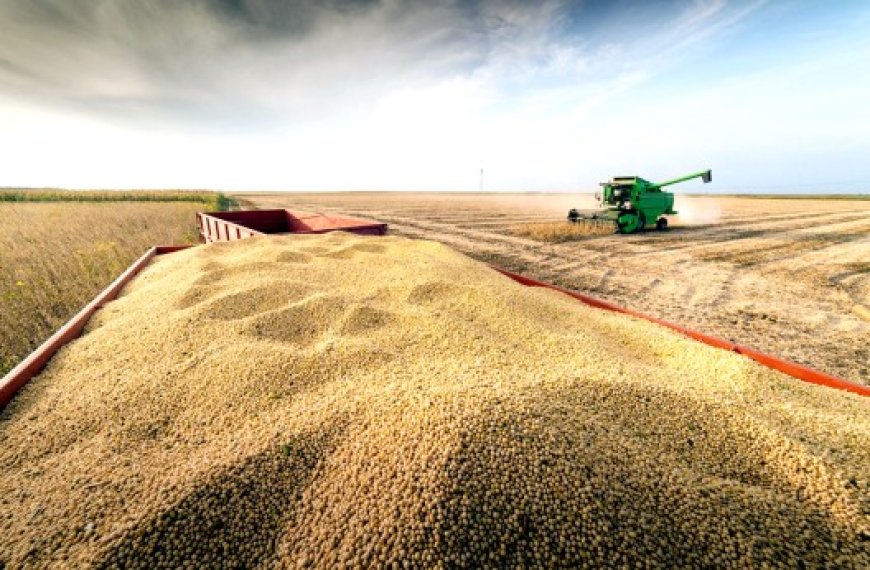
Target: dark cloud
267	62
293	17
166	57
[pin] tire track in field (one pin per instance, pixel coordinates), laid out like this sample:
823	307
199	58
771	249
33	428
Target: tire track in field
722	244
764	220
748	251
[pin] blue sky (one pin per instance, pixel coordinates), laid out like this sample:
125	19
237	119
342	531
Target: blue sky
774	96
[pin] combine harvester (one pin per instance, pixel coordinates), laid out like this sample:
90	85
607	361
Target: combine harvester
632	203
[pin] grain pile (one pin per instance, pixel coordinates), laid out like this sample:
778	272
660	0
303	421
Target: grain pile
337	400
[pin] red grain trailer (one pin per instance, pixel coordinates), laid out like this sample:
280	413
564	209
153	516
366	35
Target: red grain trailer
229	226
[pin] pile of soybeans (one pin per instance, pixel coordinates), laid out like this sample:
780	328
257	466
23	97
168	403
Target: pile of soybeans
339	400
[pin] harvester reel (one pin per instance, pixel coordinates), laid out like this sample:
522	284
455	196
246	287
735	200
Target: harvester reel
573	215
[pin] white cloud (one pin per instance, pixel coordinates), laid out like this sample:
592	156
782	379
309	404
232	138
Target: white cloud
396	95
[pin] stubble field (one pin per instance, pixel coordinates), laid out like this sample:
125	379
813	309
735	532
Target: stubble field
789	276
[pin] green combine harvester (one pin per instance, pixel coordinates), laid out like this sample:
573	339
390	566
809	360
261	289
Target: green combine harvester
632	203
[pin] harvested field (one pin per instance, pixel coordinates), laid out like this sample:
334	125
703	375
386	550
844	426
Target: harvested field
789	276
335	399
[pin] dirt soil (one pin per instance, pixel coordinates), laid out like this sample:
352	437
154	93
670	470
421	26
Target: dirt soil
788	276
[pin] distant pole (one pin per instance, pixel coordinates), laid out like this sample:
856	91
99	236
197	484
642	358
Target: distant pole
481	180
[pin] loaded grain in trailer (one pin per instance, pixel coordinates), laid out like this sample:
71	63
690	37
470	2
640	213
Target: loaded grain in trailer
334	399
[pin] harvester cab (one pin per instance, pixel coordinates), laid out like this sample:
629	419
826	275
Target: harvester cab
631	202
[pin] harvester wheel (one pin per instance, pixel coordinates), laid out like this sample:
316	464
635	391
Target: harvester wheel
627	223
662	224
641	222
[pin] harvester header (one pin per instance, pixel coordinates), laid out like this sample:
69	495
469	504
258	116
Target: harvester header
631	202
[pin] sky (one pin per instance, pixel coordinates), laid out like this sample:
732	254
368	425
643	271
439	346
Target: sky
773	95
